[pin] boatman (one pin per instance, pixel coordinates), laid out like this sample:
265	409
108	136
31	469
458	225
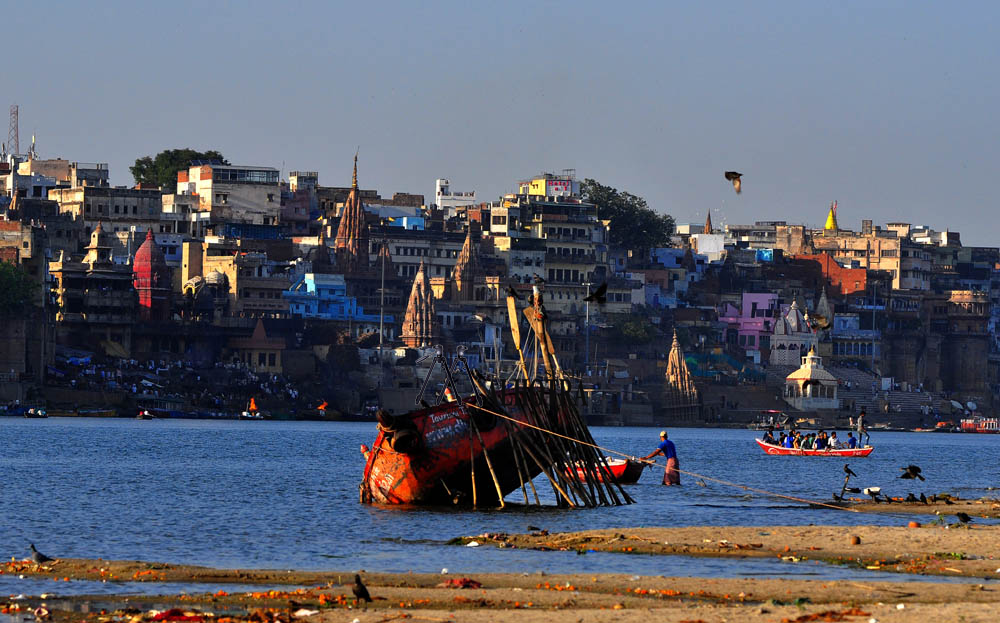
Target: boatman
670	474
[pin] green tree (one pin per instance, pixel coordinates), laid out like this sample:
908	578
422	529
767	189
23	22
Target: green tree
16	289
634	225
162	169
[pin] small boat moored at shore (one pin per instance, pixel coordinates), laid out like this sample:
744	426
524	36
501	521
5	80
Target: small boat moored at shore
625	471
782	451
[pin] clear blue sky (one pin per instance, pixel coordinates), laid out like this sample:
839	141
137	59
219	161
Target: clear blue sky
888	107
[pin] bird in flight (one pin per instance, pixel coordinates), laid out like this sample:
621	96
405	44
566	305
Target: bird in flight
38	557
849	471
360	591
600	295
910	472
734	177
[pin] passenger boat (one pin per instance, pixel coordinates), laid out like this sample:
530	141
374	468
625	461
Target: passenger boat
479	448
625	471
979	424
782	451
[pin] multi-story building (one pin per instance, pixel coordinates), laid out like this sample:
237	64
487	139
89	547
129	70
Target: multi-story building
448	200
117	209
324	297
239	194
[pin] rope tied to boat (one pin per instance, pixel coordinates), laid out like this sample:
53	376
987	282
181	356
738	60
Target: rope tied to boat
682	471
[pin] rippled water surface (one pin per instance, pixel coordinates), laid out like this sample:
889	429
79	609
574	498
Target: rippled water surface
285	495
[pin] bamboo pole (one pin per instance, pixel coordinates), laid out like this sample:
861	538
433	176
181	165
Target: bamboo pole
489	464
472	460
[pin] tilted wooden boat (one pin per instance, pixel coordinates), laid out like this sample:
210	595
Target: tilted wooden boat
781	451
625	471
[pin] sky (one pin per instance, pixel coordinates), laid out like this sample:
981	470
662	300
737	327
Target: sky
889	108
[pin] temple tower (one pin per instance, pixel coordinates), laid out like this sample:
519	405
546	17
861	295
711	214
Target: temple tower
151	279
467	270
351	242
418	324
681	399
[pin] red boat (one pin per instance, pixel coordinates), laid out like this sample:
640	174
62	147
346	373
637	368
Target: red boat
626	472
781	451
980	424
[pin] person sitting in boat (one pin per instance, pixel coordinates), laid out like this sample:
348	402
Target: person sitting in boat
851	442
834	443
769	436
820	441
781	440
790	440
808	442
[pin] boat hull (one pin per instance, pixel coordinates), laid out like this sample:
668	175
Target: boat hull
780	451
438	470
625	472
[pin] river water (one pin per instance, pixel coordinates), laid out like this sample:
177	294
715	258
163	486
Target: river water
285	495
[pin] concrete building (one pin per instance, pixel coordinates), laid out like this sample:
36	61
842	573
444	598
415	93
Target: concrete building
448	200
117	209
240	194
324	297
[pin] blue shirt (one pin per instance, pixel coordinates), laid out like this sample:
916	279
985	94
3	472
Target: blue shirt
789	442
852	442
667	447
820	443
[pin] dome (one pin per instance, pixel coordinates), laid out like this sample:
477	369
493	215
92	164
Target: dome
216	278
149	255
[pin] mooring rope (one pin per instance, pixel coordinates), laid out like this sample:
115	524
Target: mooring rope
689	473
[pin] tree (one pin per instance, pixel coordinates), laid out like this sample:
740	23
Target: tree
162	169
16	289
634	225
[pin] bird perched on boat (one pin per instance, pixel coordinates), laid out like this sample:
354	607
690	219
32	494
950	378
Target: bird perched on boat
873	492
923	498
910	472
853	489
512	293
734	177
963	517
849	471
360	591
38	557
599	296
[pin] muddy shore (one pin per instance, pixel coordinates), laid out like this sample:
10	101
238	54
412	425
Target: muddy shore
534	597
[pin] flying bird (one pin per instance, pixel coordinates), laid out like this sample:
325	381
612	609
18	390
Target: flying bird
599	296
910	472
360	591
849	471
734	177
964	518
38	557
512	293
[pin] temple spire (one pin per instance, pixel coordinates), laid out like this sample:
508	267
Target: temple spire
466	269
354	178
418	324
708	224
831	218
351	242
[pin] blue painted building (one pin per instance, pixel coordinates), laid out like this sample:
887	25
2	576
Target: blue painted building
324	297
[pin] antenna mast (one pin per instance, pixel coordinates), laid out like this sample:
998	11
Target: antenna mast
13	142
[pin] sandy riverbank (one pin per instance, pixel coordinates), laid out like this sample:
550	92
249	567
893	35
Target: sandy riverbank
535	597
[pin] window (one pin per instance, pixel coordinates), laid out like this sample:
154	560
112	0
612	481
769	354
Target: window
261	359
271	359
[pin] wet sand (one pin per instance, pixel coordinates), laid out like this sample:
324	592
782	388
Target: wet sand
566	598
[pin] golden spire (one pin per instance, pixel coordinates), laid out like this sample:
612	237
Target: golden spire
354	178
831	218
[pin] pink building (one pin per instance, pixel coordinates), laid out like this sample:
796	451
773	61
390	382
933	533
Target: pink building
751	326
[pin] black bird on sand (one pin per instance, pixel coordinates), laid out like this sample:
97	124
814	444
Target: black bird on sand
511	292
37	556
964	518
910	472
923	498
911	498
360	591
534	528
853	489
734	177
848	470
948	502
873	492
599	296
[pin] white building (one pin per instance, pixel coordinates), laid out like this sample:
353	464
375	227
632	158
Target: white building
448	200
811	387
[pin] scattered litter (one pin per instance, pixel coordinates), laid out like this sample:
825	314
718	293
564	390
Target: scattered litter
900	606
444	571
634	578
303	612
472	544
460	583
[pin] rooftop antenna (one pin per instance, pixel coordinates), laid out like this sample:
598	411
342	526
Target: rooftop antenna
13	141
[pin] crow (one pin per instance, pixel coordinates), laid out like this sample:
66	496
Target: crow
512	293
360	592
964	518
538	278
849	471
873	492
599	295
923	498
910	498
734	177
38	557
910	472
